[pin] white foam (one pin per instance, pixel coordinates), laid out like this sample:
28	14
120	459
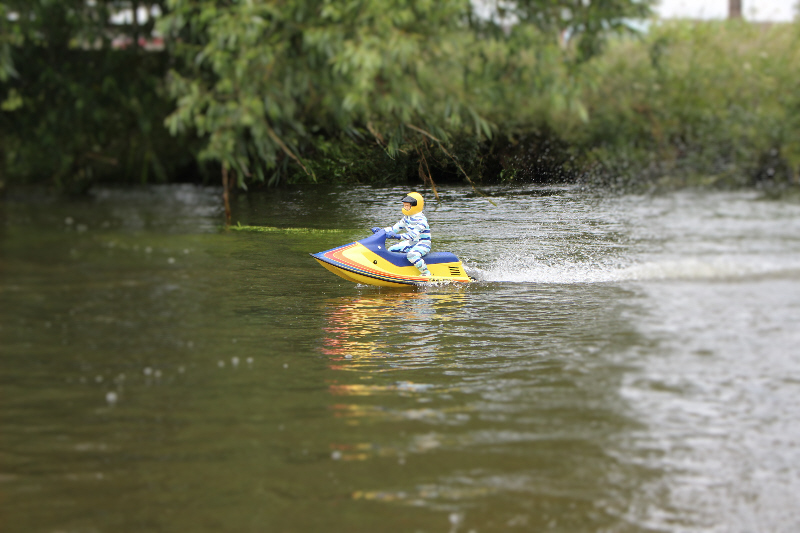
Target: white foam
686	269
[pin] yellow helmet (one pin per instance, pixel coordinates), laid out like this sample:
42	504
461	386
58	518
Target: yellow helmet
416	201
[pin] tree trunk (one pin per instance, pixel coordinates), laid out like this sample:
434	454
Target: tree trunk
135	23
225	194
734	9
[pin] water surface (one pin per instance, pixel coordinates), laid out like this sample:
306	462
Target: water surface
623	363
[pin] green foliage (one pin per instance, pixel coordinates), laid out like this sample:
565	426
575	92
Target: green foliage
9	36
85	117
355	158
586	24
698	102
265	82
73	111
377	91
270	83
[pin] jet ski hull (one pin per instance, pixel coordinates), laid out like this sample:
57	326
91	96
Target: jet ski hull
368	262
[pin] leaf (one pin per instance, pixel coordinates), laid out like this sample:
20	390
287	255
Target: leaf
12	102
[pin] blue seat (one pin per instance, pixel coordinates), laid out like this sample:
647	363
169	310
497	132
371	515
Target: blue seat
377	244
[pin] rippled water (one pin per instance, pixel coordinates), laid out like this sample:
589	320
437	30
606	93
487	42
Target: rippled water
624	363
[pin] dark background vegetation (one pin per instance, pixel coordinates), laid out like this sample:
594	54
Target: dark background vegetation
396	91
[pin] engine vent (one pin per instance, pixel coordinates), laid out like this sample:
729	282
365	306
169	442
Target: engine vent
455	271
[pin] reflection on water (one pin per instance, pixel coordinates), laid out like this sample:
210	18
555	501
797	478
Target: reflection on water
388	332
431	377
377	331
624	364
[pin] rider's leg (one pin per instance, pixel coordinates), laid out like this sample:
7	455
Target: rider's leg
402	246
415	256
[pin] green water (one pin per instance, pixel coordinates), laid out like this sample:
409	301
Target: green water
622	364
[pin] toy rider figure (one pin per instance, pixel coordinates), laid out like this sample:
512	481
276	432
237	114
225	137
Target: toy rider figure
416	241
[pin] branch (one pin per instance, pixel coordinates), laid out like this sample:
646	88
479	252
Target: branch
375	133
454	161
426	177
288	152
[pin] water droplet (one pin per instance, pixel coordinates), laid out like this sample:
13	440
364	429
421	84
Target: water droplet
221	364
81	228
148	250
147	371
186	251
157	374
235	361
181	369
171	260
249	360
98	379
68	221
336	455
111	398
348	356
285	365
190	344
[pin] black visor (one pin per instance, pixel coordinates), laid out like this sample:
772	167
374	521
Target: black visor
409	199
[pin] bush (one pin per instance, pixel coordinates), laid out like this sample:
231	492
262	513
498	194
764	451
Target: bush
696	103
76	117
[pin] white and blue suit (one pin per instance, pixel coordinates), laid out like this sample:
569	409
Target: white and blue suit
416	241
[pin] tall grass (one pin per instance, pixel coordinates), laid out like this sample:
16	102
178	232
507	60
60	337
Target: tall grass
695	103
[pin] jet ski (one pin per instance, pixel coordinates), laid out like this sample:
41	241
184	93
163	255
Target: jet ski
367	261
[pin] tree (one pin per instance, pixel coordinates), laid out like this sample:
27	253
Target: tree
266	86
587	23
734	9
261	80
74	109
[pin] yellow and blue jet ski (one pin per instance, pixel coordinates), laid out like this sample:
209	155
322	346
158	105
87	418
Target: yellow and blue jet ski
367	261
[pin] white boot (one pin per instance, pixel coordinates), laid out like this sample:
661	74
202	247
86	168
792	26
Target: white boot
423	268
